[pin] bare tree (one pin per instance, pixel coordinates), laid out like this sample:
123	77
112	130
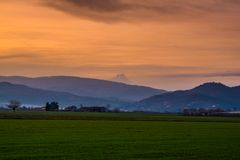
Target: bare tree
14	104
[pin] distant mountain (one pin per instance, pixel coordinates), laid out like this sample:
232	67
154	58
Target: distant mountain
121	78
86	87
32	96
204	96
237	88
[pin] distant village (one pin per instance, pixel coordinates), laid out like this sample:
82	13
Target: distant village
54	106
214	111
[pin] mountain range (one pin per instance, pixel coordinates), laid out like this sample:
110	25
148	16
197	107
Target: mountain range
76	91
204	96
33	96
86	87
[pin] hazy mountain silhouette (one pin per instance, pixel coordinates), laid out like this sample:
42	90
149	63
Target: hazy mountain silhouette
121	78
86	87
32	96
203	96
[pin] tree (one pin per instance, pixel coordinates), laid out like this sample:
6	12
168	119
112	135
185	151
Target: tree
71	108
53	106
14	104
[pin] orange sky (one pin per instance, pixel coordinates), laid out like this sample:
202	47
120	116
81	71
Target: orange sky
169	44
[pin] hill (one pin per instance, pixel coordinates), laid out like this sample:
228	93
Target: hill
32	96
204	96
86	87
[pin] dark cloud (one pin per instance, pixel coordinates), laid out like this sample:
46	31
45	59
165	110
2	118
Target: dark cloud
100	5
117	10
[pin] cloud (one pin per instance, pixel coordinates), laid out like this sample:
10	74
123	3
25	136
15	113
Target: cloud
134	68
16	56
197	75
130	10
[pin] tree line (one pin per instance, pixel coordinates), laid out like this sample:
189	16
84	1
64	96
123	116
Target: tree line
54	106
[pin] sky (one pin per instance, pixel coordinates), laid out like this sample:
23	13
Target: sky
167	44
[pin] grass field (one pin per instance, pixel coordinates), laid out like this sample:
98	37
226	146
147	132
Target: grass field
112	136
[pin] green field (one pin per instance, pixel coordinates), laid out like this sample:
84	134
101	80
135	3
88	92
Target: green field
117	136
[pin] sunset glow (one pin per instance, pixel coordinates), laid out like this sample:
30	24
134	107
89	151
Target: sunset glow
164	44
